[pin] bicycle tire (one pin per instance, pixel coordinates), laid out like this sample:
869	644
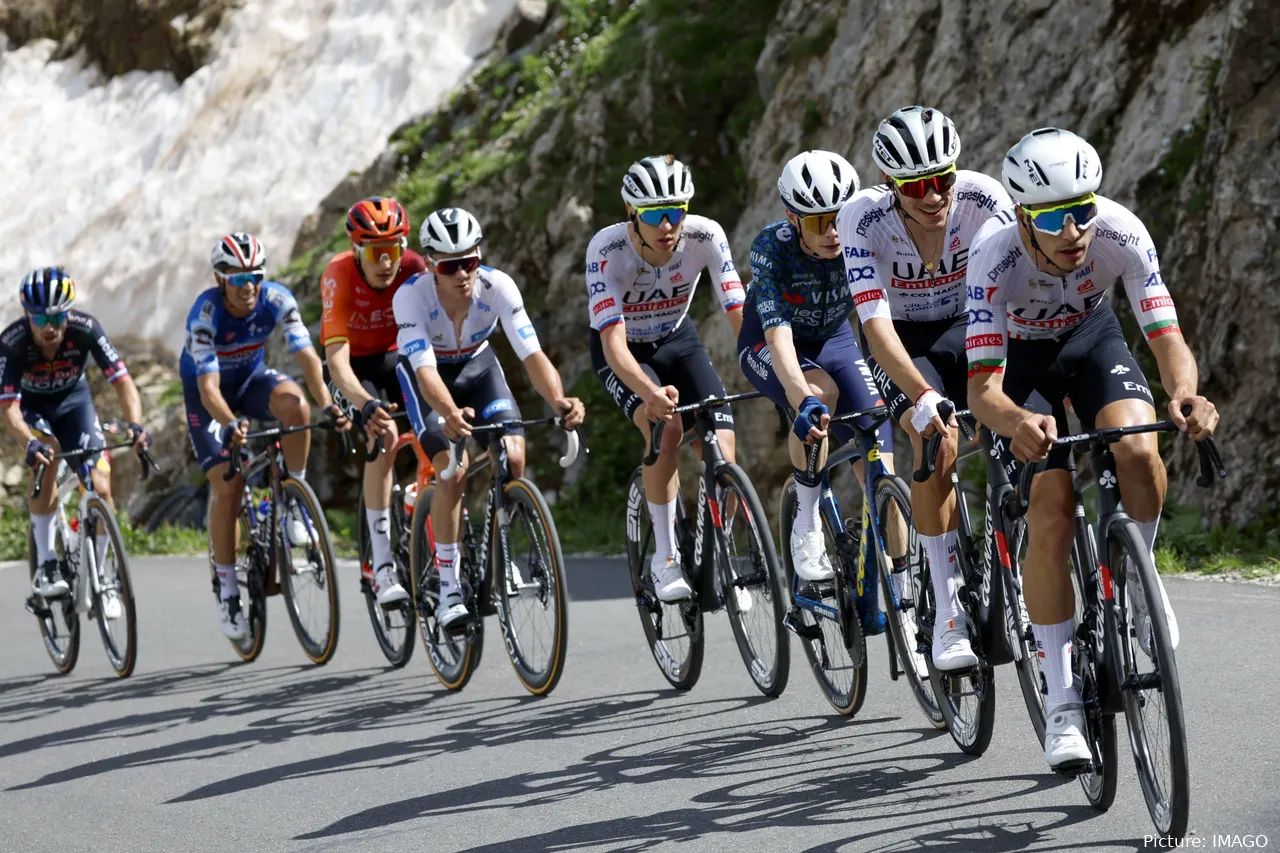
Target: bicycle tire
847	701
680	673
318	646
124	661
453	661
252	587
904	634
397	619
1031	680
527	502
63	647
765	576
971	732
1169	812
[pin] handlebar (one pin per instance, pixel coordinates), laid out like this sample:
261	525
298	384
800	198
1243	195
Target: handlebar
275	432
148	464
456	446
656	428
379	444
929	454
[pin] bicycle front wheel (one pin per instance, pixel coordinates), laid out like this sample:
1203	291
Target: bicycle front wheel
905	586
306	571
57	617
529	591
113	605
1149	686
752	583
392	624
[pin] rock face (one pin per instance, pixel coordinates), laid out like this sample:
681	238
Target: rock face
121	35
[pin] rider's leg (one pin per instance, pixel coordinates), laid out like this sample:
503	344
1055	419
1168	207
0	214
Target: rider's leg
227	495
1047	585
290	407
661	483
377	481
446	523
42	509
515	454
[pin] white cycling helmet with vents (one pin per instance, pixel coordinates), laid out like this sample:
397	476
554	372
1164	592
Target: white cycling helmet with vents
238	250
915	141
657	180
1049	165
817	182
449	231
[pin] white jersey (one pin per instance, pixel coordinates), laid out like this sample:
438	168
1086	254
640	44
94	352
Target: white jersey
886	275
428	336
1009	297
655	299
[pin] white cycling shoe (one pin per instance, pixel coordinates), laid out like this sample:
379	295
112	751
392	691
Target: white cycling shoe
809	556
1142	621
1065	745
951	648
668	580
386	585
451	610
302	533
233	623
112	606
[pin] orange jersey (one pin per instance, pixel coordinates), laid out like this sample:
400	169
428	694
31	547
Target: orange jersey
357	314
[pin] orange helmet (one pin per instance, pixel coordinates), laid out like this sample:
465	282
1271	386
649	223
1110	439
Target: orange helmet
377	219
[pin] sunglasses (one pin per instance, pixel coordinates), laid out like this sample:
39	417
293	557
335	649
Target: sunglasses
452	266
373	253
673	213
242	279
921	187
49	319
817	223
1051	220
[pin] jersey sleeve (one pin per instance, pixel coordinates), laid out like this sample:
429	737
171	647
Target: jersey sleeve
719	262
335	295
296	336
865	285
604	301
515	320
1145	287
200	338
11	364
106	355
774	311
412	339
986	341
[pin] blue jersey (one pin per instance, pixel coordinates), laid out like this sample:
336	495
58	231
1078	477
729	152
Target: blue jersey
791	288
217	342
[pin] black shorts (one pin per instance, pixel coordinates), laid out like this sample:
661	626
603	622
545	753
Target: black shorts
376	373
70	418
1092	366
936	348
679	359
478	384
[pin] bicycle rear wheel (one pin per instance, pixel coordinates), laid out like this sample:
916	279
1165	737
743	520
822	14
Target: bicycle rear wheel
119	634
968	697
530	592
1149	686
393	624
902	579
251	577
59	623
843	681
306	572
673	630
454	656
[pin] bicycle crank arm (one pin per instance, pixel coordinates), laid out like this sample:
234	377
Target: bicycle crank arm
800	629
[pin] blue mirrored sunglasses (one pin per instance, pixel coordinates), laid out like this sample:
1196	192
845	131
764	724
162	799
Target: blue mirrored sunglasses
241	279
49	319
673	213
1051	220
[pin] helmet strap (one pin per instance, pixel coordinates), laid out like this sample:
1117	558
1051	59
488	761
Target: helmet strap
1035	247
635	225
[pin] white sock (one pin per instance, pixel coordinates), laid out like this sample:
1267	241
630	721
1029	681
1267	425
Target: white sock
1148	531
1054	643
447	560
943	569
100	542
227	577
299	475
379	535
663	517
42	530
807	508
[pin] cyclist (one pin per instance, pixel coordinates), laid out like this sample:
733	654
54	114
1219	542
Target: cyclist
47	405
226	380
449	373
796	344
1041	273
358	332
907	245
640	277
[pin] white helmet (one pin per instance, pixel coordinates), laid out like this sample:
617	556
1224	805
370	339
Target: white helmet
239	250
817	182
915	141
449	231
1049	165
657	180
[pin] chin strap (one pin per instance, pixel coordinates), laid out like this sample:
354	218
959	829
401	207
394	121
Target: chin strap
635	226
1035	247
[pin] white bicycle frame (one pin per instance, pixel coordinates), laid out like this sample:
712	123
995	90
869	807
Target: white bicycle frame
69	485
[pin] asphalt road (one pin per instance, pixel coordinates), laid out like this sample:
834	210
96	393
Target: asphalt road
197	752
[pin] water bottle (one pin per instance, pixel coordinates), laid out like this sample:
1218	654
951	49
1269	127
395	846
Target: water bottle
410	498
264	510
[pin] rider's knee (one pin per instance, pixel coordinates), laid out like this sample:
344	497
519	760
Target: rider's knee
293	409
1137	455
1051	515
824	388
225	491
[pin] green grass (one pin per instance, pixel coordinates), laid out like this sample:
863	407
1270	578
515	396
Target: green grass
1184	544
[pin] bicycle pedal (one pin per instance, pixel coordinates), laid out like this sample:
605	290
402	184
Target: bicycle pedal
36	607
365	586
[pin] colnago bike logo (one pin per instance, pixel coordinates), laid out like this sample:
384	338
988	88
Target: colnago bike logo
635	498
698	522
